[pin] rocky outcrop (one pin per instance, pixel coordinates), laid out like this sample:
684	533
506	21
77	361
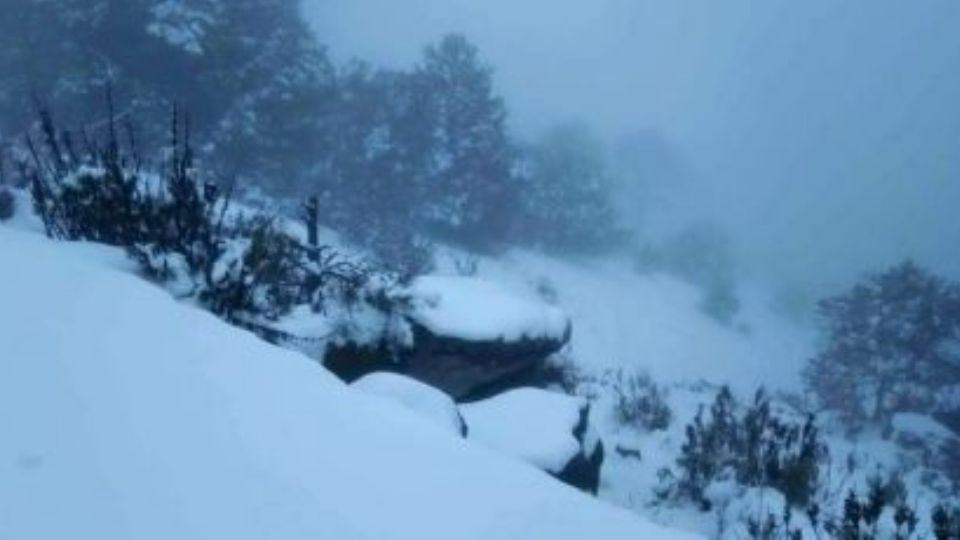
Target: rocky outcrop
462	368
550	431
583	470
468	337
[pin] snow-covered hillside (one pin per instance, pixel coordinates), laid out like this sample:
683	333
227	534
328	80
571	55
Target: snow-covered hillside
124	415
623	319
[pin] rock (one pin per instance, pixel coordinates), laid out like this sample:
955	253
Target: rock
464	369
548	430
351	361
470	334
427	402
465	336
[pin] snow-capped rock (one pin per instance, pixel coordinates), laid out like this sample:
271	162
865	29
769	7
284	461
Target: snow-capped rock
424	400
546	429
469	333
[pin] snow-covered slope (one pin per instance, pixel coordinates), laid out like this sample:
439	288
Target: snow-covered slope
425	401
650	322
126	415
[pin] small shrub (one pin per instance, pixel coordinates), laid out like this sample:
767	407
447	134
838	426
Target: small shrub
248	271
945	520
771	527
641	402
756	448
861	517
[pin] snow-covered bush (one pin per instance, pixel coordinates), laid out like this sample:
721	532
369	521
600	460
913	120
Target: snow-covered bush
98	195
946	522
181	230
261	276
891	346
755	448
640	401
884	513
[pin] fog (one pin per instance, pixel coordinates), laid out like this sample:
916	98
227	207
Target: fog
824	136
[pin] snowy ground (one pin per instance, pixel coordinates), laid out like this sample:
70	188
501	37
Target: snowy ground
625	320
650	323
127	415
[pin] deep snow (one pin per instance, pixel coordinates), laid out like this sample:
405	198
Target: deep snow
124	415
425	401
533	425
476	309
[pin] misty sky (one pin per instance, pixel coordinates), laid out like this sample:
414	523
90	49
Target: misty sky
824	134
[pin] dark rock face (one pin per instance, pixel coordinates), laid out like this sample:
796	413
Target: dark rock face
464	368
351	362
583	471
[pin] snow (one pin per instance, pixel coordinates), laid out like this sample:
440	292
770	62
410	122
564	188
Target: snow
533	425
425	401
475	309
921	426
180	26
125	414
623	319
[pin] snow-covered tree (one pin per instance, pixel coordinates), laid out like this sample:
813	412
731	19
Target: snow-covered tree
891	345
250	73
469	177
566	192
372	182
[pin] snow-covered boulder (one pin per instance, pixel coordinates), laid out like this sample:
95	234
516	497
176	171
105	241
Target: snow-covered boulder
474	309
426	401
546	429
469	333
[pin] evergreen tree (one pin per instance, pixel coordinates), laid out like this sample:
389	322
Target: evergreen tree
251	73
372	182
469	174
566	199
890	345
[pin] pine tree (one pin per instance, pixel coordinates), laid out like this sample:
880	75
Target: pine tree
566	192
469	176
254	77
888	345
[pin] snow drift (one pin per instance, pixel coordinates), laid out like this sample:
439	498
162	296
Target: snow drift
474	309
126	415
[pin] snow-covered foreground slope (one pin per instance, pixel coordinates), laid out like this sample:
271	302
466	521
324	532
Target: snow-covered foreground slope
126	415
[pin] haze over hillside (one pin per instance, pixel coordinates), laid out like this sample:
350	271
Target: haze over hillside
822	135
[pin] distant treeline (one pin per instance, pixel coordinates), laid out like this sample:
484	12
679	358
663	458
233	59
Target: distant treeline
395	158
